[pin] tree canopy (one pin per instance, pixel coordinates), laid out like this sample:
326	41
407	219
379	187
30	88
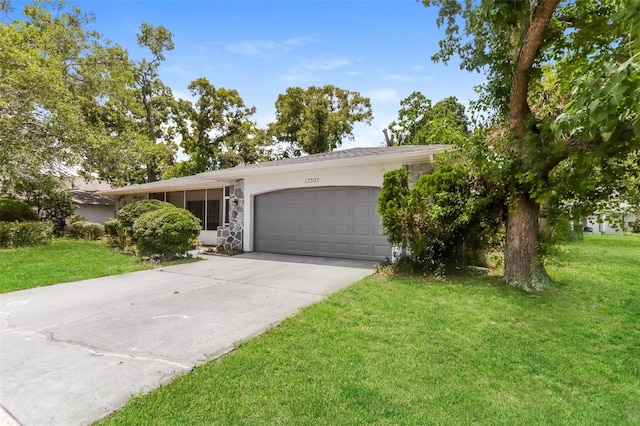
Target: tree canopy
70	100
139	114
563	100
421	123
318	119
52	71
217	131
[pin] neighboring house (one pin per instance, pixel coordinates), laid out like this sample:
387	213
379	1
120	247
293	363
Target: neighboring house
318	205
601	224
91	205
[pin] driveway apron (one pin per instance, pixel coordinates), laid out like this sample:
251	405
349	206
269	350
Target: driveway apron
73	353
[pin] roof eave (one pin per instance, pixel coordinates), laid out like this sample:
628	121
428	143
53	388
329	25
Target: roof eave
239	173
148	188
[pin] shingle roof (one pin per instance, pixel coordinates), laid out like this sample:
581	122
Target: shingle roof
85	198
85	191
213	178
343	154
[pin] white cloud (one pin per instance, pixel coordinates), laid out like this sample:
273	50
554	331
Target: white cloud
353	73
297	75
398	77
183	94
383	95
406	78
324	64
263	47
177	70
307	70
299	41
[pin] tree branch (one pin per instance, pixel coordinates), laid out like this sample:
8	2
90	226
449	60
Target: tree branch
518	105
568	19
581	146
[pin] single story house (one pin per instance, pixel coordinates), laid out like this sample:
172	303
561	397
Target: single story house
86	195
318	205
605	225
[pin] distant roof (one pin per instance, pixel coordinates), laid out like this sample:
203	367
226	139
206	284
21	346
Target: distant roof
86	191
219	178
82	184
90	198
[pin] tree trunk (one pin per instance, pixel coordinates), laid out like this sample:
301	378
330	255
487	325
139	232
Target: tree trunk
151	172
523	266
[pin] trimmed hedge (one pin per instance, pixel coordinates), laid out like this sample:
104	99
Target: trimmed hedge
128	214
16	211
85	230
25	234
167	232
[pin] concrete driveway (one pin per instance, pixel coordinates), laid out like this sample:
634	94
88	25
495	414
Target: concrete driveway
72	353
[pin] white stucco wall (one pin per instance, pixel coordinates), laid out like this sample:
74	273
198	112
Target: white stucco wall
96	214
209	238
311	178
607	228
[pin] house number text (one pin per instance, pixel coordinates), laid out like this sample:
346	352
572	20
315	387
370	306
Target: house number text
312	180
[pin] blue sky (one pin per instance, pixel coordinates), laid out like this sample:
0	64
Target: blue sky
380	48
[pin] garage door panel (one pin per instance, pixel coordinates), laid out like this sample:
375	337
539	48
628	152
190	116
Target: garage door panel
362	249
361	194
361	230
330	221
361	211
323	229
342	230
342	248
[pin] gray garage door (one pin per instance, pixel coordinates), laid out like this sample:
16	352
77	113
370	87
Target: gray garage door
331	221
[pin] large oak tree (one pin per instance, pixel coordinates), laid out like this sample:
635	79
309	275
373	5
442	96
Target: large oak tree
563	82
72	102
318	119
421	123
52	71
217	131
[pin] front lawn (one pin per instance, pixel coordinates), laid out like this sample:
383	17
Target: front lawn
392	350
63	260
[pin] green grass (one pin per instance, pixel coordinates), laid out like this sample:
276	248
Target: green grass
409	351
63	260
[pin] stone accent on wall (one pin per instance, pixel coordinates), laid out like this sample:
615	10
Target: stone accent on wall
123	200
230	237
418	169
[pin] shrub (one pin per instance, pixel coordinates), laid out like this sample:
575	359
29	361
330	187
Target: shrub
32	233
5	234
166	231
115	233
48	196
92	231
635	226
13	210
75	218
444	222
25	234
74	230
128	214
85	230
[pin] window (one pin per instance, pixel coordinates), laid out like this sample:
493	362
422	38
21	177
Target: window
176	198
214	212
205	204
227	191
197	209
